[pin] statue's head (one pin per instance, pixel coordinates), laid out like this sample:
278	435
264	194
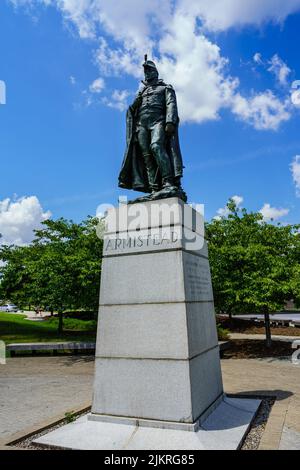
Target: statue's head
150	70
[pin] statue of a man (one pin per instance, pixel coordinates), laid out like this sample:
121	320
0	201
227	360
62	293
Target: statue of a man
153	161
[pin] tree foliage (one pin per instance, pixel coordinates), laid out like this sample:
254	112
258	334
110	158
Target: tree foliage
255	264
60	269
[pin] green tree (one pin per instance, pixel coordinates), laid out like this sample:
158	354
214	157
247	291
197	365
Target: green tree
295	276
60	269
251	262
15	282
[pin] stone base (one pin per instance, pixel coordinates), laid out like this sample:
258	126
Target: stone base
151	423
224	429
157	355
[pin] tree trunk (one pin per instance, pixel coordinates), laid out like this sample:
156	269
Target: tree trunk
60	322
268	329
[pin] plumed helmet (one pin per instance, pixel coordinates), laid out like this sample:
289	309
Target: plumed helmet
149	64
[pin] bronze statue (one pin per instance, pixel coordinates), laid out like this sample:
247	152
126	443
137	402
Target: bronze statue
153	161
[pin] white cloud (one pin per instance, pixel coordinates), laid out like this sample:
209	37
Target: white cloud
224	211
263	110
276	66
97	86
118	61
176	30
216	15
72	80
220	15
268	212
18	219
196	69
258	58
279	68
295	169
133	23
273	213
118	100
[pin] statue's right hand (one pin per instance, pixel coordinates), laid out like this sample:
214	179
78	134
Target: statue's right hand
170	128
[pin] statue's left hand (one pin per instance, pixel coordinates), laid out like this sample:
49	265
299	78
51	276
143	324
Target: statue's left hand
170	129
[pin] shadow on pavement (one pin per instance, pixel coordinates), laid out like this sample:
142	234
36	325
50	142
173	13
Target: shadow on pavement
277	394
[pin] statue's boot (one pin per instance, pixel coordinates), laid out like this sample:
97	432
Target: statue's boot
141	199
169	190
163	194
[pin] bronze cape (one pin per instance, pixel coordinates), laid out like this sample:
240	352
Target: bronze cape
133	173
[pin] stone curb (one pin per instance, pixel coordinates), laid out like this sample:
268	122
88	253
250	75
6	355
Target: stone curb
272	434
9	442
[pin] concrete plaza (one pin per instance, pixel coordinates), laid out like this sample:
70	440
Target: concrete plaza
35	391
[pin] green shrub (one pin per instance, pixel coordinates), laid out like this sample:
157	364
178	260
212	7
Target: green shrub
73	324
223	334
70	417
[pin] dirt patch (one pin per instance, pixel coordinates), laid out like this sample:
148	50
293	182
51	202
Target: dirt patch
256	349
250	327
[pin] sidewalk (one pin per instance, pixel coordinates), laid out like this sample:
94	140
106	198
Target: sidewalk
33	316
288	339
35	389
276	378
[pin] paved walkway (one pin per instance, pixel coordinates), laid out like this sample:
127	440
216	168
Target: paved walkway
33	316
288	339
288	316
33	390
271	378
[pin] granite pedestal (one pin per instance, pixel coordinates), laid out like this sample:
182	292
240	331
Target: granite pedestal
157	355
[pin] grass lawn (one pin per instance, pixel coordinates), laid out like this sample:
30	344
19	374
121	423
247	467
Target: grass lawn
16	329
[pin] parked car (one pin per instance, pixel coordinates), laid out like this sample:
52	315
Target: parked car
9	308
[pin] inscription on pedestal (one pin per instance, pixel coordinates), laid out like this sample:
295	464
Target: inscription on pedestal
198	279
141	241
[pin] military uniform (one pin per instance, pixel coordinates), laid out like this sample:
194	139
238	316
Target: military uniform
157	107
153	161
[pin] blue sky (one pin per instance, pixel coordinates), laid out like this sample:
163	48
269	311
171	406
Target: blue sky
71	71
